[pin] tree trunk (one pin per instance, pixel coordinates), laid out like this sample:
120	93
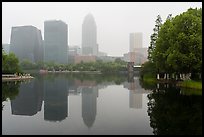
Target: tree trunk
173	75
167	75
157	85
164	75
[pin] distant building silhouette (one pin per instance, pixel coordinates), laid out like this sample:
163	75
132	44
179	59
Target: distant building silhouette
26	43
137	53
73	51
89	36
84	58
55	41
135	41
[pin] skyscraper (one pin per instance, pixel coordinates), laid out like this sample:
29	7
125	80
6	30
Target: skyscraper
89	36
26	43
135	41
55	41
136	53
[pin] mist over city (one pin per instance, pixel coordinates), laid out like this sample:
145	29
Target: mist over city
114	20
102	68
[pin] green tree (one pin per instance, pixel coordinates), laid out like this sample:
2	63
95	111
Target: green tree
10	63
159	55
26	64
185	53
154	37
178	45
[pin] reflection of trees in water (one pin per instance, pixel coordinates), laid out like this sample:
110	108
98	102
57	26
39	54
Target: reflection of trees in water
173	113
147	85
9	91
98	78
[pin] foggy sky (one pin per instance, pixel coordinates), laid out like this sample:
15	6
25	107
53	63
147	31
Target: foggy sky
114	20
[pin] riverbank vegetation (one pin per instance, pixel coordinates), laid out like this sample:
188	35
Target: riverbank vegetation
175	50
10	63
190	84
104	67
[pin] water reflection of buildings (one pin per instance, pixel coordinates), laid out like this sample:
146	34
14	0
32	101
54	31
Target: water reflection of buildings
55	99
89	105
89	93
30	97
135	92
55	91
29	100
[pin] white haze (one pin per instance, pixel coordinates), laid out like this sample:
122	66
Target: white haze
114	20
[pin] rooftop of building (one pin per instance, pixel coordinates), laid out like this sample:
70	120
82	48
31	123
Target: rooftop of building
54	20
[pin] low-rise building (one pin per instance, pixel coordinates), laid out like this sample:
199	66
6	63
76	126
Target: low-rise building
84	58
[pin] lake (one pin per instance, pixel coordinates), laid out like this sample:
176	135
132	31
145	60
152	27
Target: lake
89	104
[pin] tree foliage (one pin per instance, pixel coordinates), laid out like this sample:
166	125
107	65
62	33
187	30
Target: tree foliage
178	45
154	37
10	63
104	67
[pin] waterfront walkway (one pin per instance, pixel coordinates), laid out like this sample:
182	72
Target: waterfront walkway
13	77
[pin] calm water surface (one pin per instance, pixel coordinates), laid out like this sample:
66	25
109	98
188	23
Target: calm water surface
97	104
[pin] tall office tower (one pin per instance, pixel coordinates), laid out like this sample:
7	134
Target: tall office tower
135	41
89	36
55	41
26	43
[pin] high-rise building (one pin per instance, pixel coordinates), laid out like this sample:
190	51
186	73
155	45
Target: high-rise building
135	41
55	41
137	53
26	43
89	36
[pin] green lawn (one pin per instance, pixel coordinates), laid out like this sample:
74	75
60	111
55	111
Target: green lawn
191	84
149	78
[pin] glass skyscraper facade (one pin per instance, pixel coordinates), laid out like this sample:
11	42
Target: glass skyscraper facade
89	36
55	41
26	43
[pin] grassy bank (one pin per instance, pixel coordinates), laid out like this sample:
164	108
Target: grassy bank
150	78
190	84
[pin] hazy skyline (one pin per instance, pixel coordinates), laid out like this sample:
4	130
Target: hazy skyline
114	20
